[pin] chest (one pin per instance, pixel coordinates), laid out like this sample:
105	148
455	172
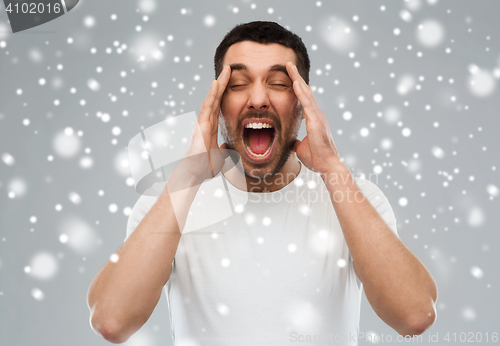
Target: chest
294	246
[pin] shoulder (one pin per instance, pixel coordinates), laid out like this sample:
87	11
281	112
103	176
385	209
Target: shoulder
368	187
143	203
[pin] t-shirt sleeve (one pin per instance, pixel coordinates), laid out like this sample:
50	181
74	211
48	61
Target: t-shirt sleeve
381	204
140	209
379	201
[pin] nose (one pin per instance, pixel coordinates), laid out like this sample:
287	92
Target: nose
258	98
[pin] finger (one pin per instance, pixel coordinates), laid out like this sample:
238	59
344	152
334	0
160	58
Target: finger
296	80
310	107
207	105
309	112
222	83
224	77
295	76
294	71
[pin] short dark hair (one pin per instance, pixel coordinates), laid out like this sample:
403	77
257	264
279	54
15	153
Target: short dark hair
265	33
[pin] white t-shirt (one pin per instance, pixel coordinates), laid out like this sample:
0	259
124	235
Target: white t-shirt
277	272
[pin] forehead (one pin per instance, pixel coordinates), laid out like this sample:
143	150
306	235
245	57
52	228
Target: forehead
258	56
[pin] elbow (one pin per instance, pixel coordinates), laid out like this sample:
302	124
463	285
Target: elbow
107	329
417	325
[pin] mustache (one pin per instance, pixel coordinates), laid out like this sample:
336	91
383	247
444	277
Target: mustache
254	114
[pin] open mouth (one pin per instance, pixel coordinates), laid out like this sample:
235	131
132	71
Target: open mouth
258	139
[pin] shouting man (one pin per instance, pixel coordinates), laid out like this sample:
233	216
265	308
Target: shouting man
290	265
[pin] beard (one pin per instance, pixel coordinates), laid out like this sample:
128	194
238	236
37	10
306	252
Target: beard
284	138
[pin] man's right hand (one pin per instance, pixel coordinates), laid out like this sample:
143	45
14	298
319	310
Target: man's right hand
204	158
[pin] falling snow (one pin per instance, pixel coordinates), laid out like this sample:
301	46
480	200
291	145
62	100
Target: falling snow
410	93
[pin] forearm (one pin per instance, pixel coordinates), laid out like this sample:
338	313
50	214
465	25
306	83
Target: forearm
123	294
397	285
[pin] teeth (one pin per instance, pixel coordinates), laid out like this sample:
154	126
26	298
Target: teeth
258	155
258	126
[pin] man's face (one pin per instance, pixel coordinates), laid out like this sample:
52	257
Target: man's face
260	113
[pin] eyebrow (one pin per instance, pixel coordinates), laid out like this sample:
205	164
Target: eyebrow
275	67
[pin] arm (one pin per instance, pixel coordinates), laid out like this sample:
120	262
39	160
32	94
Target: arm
397	284
123	294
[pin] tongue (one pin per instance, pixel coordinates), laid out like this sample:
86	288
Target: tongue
259	140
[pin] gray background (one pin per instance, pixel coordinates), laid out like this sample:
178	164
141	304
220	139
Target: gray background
453	229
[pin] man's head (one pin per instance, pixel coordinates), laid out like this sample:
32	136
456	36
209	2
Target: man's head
264	33
260	114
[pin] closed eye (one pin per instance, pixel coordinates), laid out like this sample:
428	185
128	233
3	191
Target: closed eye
241	85
280	85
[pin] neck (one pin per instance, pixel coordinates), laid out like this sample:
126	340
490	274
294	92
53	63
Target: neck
269	183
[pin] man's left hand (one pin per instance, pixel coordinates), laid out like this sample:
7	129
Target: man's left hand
317	150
